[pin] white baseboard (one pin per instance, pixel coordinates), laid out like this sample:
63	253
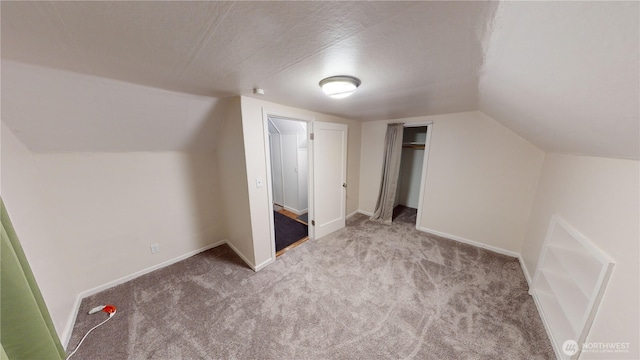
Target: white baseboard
471	242
351	215
556	347
522	266
241	255
263	264
525	271
488	247
364	212
71	321
246	261
136	274
295	211
66	335
484	246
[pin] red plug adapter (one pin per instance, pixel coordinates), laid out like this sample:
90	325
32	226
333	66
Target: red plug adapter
109	309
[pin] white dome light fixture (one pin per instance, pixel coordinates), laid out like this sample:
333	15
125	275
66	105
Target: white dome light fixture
339	87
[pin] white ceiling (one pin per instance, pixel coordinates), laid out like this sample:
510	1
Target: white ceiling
562	75
286	126
565	75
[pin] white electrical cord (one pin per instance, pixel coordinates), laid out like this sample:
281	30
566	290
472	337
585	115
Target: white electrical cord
85	335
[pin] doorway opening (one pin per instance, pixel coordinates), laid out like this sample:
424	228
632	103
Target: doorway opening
411	179
289	157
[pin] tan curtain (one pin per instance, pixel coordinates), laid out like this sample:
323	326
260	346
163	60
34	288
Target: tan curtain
390	171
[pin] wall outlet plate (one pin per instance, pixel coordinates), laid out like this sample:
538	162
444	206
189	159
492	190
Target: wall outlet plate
155	248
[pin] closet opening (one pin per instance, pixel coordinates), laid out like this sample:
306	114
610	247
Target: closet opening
289	146
409	192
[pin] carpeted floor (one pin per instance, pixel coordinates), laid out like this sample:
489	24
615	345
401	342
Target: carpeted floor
368	291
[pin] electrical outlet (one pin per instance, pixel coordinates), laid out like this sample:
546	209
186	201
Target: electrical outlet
155	248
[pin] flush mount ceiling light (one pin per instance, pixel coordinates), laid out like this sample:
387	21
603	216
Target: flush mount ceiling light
339	87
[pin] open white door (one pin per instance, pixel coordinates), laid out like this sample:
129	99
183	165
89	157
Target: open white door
329	177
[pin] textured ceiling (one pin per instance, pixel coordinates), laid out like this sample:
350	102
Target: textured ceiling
566	75
562	75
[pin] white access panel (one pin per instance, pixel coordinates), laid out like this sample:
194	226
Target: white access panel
570	279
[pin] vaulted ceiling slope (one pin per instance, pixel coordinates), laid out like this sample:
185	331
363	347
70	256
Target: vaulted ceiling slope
565	75
562	75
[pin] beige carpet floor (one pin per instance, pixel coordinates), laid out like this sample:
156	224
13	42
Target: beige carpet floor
368	291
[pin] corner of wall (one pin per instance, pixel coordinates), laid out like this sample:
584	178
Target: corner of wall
599	197
30	214
232	172
529	215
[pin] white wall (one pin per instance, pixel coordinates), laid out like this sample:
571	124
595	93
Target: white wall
49	257
481	178
410	177
599	197
276	168
110	207
118	167
290	172
303	180
230	155
254	143
77	113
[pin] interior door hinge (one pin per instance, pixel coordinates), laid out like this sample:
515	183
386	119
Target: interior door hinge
311	136
313	223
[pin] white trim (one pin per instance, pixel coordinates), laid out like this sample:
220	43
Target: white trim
547	327
364	212
425	164
267	148
246	261
311	228
287	115
270	169
269	155
139	273
471	242
235	250
266	115
66	334
562	236
263	264
295	211
71	321
499	251
526	272
352	214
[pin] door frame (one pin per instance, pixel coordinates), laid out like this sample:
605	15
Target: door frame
318	127
266	114
270	137
425	163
